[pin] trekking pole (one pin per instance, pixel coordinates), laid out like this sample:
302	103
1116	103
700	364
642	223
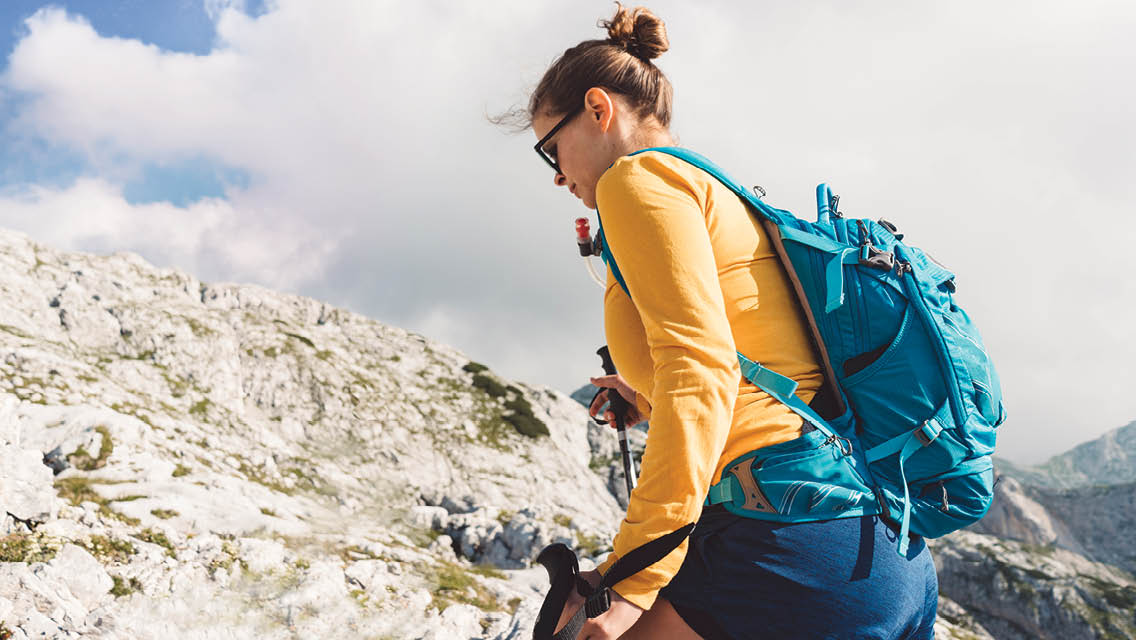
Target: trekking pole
619	407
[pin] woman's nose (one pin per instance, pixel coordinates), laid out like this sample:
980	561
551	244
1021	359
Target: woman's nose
560	180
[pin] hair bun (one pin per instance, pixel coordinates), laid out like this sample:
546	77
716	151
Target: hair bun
637	31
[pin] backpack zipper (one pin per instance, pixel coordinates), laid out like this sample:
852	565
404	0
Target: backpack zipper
915	297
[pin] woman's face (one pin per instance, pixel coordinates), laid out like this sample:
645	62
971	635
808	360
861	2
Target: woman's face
583	148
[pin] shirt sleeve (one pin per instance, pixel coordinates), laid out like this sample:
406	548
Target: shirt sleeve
655	226
643	404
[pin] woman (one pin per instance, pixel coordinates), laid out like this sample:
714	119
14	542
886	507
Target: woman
704	283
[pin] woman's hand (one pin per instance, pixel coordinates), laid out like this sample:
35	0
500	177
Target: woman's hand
607	383
611	624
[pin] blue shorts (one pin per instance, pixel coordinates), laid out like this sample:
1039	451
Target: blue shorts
746	579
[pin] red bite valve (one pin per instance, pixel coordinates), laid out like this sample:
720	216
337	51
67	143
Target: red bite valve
584	236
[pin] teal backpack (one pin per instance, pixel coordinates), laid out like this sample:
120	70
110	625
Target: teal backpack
911	401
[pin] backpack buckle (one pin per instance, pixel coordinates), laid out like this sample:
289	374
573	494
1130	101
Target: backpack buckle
598	603
927	432
870	256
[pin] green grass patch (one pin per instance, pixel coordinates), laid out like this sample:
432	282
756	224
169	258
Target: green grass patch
453	585
489	385
199	329
522	418
180	470
229	554
178	387
355	552
164	514
200	408
81	459
489	571
268	512
78	490
360	596
26	547
158	538
301	338
475	367
589	545
528	426
258	476
108	549
124	587
145	355
1122	597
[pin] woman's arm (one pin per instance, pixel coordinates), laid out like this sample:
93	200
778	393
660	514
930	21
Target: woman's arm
655	225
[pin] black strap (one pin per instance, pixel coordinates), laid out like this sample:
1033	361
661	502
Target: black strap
564	573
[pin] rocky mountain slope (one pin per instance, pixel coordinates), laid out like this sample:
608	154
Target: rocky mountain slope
1097	522
1017	591
187	460
233	462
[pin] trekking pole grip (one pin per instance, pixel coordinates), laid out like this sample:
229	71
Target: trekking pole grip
619	404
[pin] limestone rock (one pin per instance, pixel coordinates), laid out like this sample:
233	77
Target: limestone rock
954	623
1015	515
83	575
1015	590
25	484
237	462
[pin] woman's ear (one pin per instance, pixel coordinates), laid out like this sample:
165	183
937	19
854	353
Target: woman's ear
600	107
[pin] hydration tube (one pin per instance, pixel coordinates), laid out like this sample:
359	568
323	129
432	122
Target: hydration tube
588	248
592	272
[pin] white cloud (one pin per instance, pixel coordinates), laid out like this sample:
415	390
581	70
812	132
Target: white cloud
207	238
215	8
996	135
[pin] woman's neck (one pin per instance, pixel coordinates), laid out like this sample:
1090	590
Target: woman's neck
644	138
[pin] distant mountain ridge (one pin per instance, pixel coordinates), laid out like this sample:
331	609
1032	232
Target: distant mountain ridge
1108	460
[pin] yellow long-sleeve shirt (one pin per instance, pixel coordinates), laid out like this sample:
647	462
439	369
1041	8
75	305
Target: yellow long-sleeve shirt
705	282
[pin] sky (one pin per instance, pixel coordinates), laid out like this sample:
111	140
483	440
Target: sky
342	150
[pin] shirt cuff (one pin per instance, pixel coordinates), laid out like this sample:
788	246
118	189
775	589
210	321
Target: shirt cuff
640	592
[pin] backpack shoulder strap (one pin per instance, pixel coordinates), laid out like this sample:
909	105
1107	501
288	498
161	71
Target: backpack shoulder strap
776	216
775	222
772	214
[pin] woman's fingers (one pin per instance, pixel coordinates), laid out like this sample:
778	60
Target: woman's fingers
618	383
603	397
597	402
608	382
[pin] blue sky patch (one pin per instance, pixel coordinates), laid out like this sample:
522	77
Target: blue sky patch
183	183
173	25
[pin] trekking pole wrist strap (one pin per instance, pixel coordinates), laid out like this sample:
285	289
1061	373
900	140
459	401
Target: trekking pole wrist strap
562	566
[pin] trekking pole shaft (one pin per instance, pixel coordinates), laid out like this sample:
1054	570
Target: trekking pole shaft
619	407
629	473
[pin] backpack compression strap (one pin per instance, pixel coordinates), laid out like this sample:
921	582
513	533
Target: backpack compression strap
564	574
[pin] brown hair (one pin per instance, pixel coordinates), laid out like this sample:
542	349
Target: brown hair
621	64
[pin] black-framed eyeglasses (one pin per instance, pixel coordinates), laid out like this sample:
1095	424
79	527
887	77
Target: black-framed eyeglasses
550	157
